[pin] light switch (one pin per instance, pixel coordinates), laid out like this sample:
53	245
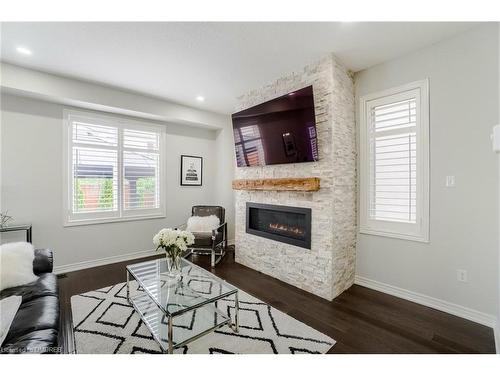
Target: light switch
495	137
450	181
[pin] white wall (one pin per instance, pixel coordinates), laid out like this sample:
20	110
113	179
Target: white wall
463	74
497	330
224	174
31	172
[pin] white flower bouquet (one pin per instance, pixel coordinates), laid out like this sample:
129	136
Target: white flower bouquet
174	242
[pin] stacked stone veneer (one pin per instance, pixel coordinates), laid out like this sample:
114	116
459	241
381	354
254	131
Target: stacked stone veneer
327	269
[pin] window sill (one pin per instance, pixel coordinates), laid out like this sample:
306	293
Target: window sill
75	223
400	236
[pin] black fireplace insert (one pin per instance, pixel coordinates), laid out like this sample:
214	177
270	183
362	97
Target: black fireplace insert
291	225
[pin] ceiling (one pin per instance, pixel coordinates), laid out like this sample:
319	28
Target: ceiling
219	61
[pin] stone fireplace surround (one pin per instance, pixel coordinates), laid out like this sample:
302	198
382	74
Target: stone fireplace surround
328	268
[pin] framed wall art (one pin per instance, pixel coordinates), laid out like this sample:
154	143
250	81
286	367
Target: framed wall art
191	170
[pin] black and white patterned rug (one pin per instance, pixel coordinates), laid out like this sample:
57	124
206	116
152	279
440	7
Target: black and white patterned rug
104	322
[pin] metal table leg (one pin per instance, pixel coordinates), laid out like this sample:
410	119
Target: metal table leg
128	290
170	336
236	326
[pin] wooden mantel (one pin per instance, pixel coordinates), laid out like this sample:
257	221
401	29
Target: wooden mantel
278	184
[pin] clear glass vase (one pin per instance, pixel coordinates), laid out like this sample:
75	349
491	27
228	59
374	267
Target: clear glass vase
173	266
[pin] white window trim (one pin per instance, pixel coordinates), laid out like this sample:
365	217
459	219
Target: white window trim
414	232
120	215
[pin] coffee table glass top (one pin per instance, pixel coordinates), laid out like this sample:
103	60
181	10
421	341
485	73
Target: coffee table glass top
196	287
13	227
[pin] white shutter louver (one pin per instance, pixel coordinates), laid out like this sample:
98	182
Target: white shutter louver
392	137
95	180
140	170
95	168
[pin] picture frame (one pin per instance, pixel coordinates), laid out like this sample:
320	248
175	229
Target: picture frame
191	170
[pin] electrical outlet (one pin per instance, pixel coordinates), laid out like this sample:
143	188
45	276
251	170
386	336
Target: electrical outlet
450	181
462	276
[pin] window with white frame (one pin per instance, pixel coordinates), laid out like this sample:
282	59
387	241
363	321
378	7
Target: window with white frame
394	162
114	169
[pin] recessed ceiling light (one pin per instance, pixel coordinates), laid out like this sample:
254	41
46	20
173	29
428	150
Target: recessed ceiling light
23	50
200	98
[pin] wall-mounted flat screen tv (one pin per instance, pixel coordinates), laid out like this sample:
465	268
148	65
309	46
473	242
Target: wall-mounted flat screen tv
280	131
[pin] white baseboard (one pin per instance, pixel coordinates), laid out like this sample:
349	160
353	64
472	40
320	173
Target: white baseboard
102	261
231	242
108	260
435	303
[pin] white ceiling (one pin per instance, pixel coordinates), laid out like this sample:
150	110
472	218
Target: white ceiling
179	61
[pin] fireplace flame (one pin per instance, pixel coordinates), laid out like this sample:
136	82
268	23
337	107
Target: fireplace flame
286	228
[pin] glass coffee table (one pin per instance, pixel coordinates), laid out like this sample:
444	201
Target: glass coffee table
177	313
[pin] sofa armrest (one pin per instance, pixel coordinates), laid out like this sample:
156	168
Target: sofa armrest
43	262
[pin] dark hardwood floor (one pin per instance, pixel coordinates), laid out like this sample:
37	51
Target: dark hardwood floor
361	320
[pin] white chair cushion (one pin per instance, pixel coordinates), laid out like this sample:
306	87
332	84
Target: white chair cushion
16	261
202	223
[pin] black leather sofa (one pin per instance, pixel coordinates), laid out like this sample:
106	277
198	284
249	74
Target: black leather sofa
36	325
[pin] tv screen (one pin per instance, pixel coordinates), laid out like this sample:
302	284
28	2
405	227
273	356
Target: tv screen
280	131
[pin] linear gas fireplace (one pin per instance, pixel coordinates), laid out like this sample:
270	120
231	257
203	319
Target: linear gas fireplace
291	225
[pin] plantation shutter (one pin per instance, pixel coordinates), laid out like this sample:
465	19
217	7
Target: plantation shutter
393	161
94	169
141	158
